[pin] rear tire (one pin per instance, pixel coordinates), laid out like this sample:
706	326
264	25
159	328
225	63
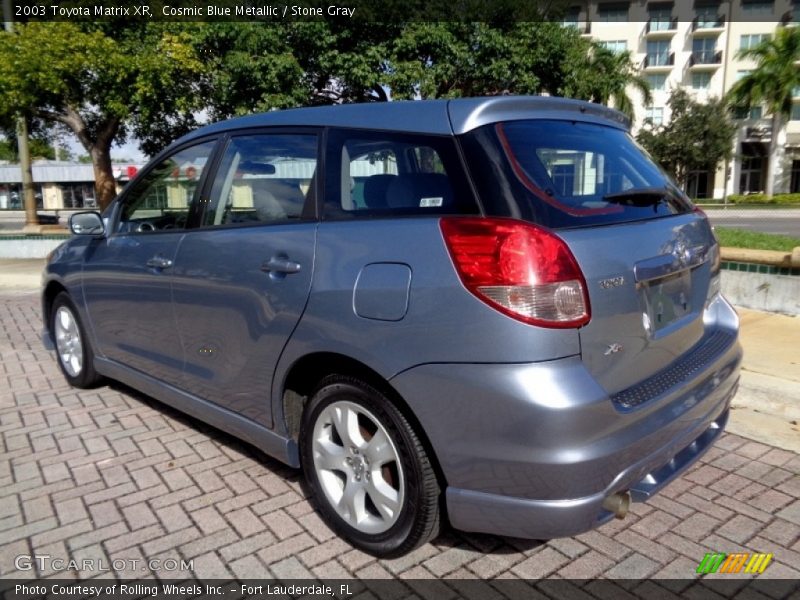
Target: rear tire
73	349
367	469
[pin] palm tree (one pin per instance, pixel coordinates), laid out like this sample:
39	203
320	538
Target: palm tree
772	84
613	75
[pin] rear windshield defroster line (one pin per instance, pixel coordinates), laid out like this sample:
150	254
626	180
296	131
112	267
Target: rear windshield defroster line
522	175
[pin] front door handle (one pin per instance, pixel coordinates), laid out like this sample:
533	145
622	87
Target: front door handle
159	262
280	264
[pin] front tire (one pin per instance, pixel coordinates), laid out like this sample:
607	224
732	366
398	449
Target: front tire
74	352
367	469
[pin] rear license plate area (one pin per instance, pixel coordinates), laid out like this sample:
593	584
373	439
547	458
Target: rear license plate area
667	299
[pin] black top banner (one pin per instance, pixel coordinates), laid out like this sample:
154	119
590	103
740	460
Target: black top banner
580	13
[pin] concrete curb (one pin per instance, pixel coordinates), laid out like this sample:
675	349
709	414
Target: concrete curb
762	257
767	409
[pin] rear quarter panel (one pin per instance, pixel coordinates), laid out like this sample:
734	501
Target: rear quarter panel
444	323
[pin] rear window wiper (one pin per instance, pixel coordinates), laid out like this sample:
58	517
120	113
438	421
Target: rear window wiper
638	196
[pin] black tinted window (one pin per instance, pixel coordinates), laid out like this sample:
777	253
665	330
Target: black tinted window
568	174
382	174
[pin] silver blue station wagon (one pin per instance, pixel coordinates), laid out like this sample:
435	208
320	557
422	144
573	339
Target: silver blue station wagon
497	312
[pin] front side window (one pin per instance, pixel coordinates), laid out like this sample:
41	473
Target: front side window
382	174
162	198
568	174
263	178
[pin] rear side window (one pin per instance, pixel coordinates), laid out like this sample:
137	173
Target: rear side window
568	174
388	174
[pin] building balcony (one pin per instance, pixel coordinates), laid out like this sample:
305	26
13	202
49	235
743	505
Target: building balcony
659	62
705	26
705	60
660	29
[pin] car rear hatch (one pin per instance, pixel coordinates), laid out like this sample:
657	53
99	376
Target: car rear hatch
648	283
648	257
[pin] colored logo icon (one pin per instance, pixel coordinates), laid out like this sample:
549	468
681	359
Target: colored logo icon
738	562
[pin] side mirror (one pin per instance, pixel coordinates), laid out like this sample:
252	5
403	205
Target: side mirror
87	223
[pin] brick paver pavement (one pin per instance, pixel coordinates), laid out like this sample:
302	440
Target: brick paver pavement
110	474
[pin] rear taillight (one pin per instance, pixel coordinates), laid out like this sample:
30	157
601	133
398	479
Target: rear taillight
523	270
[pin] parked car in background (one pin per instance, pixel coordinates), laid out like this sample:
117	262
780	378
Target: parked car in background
494	310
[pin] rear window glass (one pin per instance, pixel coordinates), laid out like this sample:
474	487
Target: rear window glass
568	174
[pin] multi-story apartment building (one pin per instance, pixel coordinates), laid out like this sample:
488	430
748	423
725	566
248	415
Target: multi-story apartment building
694	44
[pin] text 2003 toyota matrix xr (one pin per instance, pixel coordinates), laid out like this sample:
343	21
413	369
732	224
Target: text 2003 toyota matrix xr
495	311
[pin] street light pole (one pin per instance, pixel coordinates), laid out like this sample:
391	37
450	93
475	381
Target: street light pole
31	218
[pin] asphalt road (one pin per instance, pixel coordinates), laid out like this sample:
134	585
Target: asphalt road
782	221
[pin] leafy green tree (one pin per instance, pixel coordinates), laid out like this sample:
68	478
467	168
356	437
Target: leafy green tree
772	84
102	81
453	59
698	136
39	148
608	77
253	67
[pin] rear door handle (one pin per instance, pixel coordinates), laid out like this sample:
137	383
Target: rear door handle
280	264
159	262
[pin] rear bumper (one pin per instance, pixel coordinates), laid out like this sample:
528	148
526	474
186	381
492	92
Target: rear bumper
532	450
545	519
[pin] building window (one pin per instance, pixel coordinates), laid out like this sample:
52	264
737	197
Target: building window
12	197
78	195
697	184
753	7
795	183
660	17
612	13
657	81
752	40
701	81
654	114
572	17
657	53
704	50
754	113
753	167
616	46
708	16
795	116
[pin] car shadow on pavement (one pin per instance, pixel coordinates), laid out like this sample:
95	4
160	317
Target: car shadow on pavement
232	446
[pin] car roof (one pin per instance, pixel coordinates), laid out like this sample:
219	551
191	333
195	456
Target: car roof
439	117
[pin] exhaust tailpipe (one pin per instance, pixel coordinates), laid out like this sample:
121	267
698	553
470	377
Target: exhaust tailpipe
618	504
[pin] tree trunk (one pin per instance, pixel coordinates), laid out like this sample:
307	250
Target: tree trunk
99	148
774	151
104	184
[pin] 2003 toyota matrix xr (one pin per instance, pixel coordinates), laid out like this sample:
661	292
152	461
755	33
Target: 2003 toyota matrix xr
494	309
